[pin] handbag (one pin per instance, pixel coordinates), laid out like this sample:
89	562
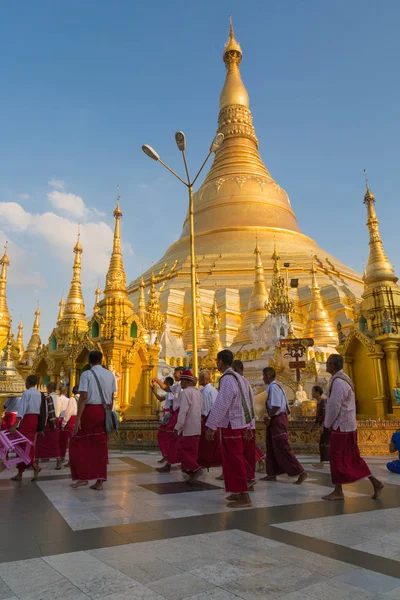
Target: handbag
111	415
166	418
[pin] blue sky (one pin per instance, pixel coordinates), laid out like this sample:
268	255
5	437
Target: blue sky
84	84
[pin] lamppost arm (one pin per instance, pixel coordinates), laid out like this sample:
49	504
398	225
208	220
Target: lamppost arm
173	172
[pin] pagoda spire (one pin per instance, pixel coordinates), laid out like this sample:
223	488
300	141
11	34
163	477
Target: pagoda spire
279	302
5	318
61	305
379	269
216	344
116	277
259	294
142	302
75	305
20	338
319	326
97	296
35	341
234	91
154	320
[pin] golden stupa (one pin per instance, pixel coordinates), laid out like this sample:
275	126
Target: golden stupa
238	202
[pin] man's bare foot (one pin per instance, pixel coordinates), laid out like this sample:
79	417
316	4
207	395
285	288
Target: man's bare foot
220	477
66	466
36	473
59	464
378	487
97	486
165	469
268	478
193	477
302	477
78	484
17	477
162	459
318	465
232	497
333	496
241	501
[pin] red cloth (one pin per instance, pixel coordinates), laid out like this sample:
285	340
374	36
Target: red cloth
48	444
162	436
209	452
66	435
8	421
233	461
346	463
172	450
188	449
249	447
88	453
260	455
280	458
28	427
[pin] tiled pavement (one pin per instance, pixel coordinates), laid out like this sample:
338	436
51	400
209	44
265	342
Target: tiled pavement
146	537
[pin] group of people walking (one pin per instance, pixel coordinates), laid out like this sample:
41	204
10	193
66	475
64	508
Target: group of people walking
209	428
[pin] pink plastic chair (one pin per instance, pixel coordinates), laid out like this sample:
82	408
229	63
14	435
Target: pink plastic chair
17	443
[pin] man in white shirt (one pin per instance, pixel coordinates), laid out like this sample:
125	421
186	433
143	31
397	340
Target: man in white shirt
27	422
209	451
162	435
68	420
48	442
172	446
63	399
188	427
88	452
345	461
280	458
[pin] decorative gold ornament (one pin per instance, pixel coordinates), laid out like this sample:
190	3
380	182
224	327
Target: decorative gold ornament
279	302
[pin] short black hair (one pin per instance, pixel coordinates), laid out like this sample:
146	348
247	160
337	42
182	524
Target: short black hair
31	380
179	369
269	371
318	389
63	389
238	366
226	357
337	361
75	389
169	381
95	357
51	386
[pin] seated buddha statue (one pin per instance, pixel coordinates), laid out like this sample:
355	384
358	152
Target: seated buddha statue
300	396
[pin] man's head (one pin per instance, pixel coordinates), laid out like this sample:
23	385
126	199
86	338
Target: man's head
224	360
63	390
334	363
95	358
178	372
204	377
169	381
187	379
31	381
75	389
268	375
238	366
317	392
51	387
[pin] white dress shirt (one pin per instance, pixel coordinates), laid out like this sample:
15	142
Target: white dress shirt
11	405
64	404
168	400
189	420
276	398
341	404
58	404
30	403
70	411
176	390
209	394
87	383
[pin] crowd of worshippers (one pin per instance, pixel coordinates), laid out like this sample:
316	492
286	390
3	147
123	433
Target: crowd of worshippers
199	429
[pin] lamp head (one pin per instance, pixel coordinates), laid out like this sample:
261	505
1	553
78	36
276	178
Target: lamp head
150	152
217	141
180	140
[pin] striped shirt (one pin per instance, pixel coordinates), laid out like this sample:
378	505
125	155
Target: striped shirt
341	405
228	409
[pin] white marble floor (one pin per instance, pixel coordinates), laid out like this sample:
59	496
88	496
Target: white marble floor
218	566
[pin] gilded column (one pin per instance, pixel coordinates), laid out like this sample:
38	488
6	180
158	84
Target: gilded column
380	399
146	391
391	348
125	400
72	379
348	366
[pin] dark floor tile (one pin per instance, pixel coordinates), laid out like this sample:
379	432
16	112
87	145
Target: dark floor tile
179	487
130	527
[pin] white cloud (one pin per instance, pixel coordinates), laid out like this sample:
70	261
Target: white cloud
19	273
24	196
68	203
143	186
58	184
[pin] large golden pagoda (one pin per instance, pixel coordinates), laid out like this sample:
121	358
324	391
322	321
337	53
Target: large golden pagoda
238	199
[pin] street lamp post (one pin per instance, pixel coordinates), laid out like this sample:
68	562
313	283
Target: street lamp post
151	153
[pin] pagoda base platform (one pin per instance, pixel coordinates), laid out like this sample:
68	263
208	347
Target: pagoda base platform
373	436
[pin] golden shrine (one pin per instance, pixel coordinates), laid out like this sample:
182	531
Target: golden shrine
260	280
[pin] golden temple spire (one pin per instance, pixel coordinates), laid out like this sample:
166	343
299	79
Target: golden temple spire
97	295
35	341
154	320
20	338
74	309
319	326
116	278
4	313
279	302
233	92
259	294
142	302
61	305
379	269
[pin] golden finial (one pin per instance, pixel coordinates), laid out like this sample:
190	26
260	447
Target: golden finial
116	277
319	327
74	308
60	308
369	197
4	259
20	339
233	93
78	246
118	211
35	341
232	45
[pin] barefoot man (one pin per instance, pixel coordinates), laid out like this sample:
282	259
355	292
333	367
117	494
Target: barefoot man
346	463
188	427
88	452
280	458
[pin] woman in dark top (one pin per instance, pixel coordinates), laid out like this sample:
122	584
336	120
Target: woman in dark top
318	395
